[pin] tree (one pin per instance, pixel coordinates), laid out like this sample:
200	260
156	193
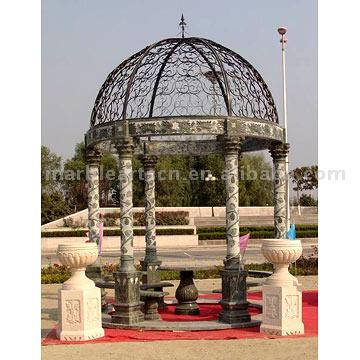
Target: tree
311	178
53	207
172	181
74	180
50	171
298	178
109	175
304	178
307	200
255	181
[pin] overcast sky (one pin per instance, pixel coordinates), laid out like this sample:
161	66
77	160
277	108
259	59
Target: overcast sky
83	40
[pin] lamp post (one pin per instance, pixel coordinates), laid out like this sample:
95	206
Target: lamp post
283	40
210	177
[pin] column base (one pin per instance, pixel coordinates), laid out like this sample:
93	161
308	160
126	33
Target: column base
127	296
127	314
282	310
234	303
80	315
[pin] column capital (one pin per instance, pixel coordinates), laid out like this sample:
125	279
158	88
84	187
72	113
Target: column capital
279	151
148	161
93	156
125	147
232	144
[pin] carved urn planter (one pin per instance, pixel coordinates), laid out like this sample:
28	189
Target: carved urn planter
281	253
282	297
79	299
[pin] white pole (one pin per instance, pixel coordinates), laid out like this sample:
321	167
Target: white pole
282	31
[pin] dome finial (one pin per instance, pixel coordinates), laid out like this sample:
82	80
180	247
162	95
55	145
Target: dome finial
182	24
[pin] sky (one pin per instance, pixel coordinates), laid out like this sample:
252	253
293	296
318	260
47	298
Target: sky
83	40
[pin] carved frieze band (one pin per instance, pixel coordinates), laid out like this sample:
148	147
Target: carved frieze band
186	126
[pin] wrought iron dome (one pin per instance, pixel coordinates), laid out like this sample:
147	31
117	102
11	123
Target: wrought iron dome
178	77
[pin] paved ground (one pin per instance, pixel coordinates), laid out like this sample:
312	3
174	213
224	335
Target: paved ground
200	255
247	349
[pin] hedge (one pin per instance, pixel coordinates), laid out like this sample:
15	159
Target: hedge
114	232
162	218
247	229
256	234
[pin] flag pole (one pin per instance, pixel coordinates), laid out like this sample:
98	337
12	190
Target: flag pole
282	31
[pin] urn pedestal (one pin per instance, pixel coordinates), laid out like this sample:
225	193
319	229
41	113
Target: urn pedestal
79	300
282	297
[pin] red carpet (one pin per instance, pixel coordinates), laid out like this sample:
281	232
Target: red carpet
208	312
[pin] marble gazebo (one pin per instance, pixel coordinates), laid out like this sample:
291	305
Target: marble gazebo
187	96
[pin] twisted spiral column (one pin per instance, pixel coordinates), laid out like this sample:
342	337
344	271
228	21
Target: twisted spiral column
231	150
278	153
126	150
93	160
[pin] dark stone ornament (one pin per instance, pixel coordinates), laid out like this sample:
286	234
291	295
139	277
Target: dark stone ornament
187	294
127	296
234	303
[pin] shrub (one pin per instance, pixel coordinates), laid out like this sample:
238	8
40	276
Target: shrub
246	229
255	234
74	224
164	218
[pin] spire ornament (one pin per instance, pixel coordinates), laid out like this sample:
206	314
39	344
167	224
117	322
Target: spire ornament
182	25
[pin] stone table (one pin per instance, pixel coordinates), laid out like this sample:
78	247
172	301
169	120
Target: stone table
186	294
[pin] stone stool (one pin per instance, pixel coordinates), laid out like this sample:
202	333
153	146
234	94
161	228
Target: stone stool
150	299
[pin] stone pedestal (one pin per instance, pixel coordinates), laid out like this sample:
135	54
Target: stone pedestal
79	299
233	302
282	310
128	305
282	297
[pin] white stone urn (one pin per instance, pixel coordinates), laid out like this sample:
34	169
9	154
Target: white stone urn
281	253
78	256
79	299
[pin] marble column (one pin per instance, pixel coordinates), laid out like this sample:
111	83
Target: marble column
127	279
93	156
150	263
279	153
93	160
233	302
231	150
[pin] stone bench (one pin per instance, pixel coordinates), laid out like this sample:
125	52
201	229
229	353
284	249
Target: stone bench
159	288
151	299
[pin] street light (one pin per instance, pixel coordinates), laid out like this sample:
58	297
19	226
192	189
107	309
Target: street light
283	40
210	177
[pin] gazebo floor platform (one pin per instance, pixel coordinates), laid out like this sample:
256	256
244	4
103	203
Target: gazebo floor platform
207	320
178	325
